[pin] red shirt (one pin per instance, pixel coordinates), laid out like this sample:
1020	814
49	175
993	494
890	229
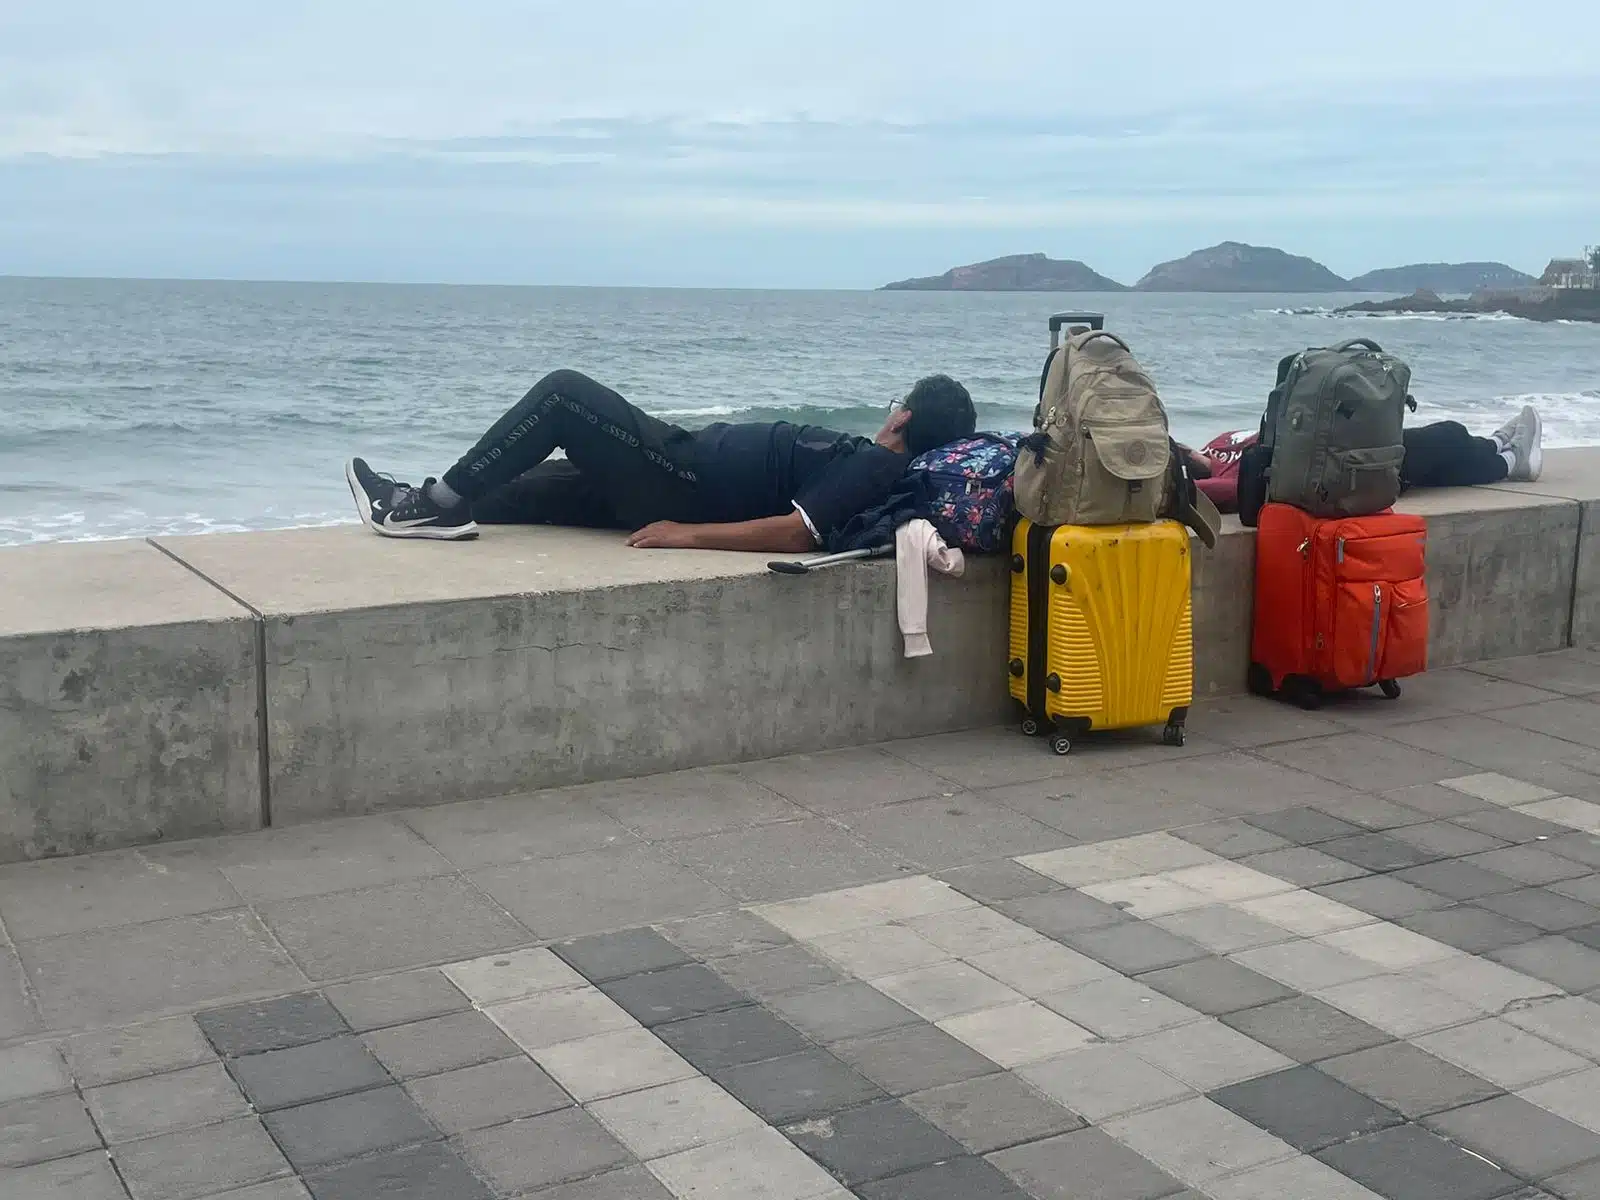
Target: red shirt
1222	454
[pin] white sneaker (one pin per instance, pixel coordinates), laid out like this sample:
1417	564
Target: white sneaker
1524	437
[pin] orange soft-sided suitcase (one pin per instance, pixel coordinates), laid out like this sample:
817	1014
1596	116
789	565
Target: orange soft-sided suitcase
1340	603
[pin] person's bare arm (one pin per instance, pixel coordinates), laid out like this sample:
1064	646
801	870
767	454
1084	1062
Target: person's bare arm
778	535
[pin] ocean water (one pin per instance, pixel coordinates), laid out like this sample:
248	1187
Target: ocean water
132	408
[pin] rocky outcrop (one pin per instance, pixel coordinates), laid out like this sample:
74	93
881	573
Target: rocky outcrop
1531	304
1014	273
1458	278
1237	267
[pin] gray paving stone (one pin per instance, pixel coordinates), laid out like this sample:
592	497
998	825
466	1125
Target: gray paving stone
488	1094
1133	947
18	1015
1585	888
513	829
1085	1165
797	1087
630	1183
329	1131
1304	826
748	1034
1060	913
82	1177
400	999
440	1044
1579	847
779	862
1306	1108
1588	935
130	973
1197	1140
138	1108
837	781
260	1025
1489	745
949	831
112	1055
301	1074
1116	1008
964	1178
1409	1163
200	1162
1222	929
993	882
32	1070
863	1144
433	1171
673	994
275	1189
1364	762
722	935
1555	959
681	804
1383	896
1446	839
1569	1022
600	890
602	957
1530	865
545	1150
1214	986
1518	1136
1303	865
1580	1183
324	856
1436	800
993	1112
1545	909
845	1010
1509	825
99	891
913	1059
1457	880
1305	1029
1376	812
1471	928
769	973
1103	1081
1408	1080
1122	810
1232	837
389	928
44	1127
1378	852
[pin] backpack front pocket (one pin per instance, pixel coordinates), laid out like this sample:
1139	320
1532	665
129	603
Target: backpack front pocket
1358	483
1124	472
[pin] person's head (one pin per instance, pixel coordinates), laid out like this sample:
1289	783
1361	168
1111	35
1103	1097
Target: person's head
936	411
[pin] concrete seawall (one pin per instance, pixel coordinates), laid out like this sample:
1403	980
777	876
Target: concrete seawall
186	686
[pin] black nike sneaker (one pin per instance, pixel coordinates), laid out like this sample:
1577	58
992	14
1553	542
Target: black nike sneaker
394	509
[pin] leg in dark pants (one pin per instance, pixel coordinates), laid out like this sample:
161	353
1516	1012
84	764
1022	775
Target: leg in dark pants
1447	455
644	468
553	493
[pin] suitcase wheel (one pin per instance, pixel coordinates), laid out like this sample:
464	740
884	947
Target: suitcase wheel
1390	688
1172	735
1030	727
1307	693
1259	680
1061	744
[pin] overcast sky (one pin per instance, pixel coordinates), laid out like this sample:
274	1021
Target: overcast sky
816	144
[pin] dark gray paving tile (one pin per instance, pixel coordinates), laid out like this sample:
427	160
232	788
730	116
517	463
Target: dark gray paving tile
1542	907
301	1074
1375	812
1530	865
545	1150
796	1087
514	829
1216	986
440	1044
1579	847
330	1131
1519	1136
1555	959
1377	852
1305	1029
992	882
137	1108
1085	1165
1133	947
1306	1108
602	957
1383	896
200	1162
673	994
779	862
1409	1163
1409	1080
488	1094
1509	825
1580	1183
599	890
82	1177
1232	837
630	1183
1469	927
407	924
396	999
845	1010
277	1024
1057	914
44	1127
838	781
1304	865
871	1142
948	831
723	935
1446	839
955	1179
747	1034
913	1059
993	1112
769	973
1458	880
429	1172
1304	826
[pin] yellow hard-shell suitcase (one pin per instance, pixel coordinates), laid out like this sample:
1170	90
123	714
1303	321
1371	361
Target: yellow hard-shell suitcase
1101	628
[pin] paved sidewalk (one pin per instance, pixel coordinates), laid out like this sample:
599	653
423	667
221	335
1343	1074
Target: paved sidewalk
1307	957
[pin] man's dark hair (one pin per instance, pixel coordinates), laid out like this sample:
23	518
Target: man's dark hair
941	412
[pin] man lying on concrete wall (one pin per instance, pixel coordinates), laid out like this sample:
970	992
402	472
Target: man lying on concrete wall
774	487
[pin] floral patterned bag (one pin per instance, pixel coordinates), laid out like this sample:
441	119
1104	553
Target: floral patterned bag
969	486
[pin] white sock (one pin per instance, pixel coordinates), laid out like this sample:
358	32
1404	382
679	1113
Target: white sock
442	494
1511	459
1502	443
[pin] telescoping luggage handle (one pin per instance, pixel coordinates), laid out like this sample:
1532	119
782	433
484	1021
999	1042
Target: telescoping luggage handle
1093	320
1364	343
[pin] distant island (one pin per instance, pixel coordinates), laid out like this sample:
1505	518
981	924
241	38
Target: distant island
1531	304
1459	278
1014	273
1237	267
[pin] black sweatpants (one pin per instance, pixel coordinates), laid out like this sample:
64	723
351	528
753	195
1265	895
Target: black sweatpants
1446	454
624	468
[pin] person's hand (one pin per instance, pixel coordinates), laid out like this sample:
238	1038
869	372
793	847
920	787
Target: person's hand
663	535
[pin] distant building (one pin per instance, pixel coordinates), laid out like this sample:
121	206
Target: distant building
1571	273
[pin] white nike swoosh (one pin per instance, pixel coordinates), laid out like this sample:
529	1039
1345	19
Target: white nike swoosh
389	522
